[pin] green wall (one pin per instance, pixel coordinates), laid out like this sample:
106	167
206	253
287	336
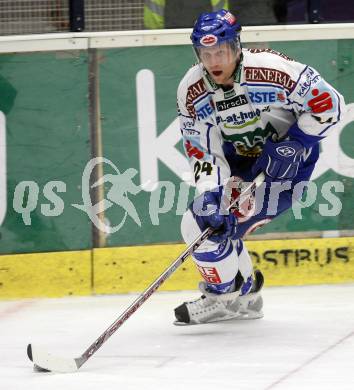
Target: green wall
45	97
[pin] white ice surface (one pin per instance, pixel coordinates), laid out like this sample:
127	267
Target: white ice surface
304	342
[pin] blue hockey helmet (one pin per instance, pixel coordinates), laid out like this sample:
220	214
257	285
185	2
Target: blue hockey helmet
215	28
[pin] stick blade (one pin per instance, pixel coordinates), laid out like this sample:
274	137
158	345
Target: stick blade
44	361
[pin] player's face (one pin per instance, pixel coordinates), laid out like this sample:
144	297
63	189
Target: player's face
220	61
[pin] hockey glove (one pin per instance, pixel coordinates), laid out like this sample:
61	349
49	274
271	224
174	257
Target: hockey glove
279	160
207	211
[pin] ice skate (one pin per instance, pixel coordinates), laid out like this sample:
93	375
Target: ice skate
245	303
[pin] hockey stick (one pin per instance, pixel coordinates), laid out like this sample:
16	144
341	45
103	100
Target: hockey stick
44	361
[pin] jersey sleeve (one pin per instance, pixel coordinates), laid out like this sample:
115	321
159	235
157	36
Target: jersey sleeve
318	107
202	140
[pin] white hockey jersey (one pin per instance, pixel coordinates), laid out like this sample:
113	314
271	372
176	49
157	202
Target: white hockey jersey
271	94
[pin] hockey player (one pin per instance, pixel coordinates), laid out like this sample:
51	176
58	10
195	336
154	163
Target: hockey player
242	112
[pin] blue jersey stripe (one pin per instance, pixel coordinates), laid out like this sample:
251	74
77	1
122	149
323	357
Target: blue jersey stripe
200	98
208	139
297	81
263	85
215	256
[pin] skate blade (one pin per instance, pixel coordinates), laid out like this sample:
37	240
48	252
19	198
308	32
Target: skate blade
250	315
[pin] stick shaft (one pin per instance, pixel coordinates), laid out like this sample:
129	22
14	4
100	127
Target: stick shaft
144	296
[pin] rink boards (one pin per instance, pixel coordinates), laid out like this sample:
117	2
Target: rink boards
75	82
46	158
132	269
